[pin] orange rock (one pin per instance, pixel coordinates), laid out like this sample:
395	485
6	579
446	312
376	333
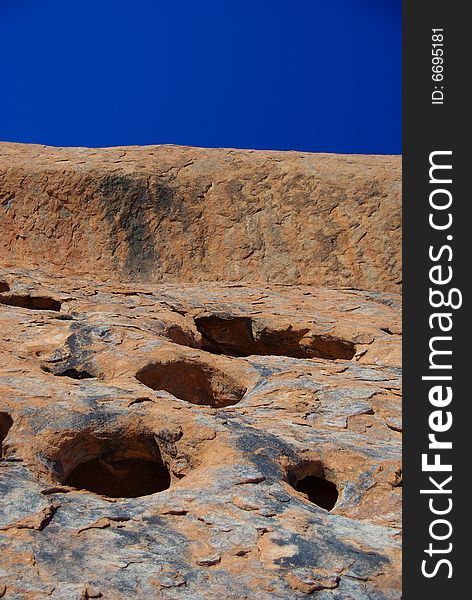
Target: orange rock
263	445
170	213
167	433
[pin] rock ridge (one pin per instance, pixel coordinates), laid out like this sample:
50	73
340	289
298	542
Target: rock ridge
172	213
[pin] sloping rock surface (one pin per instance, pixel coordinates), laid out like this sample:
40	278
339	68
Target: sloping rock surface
188	440
169	213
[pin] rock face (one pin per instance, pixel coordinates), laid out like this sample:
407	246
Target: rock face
168	213
198	441
184	412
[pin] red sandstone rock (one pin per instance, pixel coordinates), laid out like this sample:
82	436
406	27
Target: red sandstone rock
211	461
166	434
191	214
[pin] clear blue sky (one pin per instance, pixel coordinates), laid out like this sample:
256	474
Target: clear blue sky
316	75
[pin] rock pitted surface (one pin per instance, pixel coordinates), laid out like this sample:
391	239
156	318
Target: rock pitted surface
191	214
198	441
184	412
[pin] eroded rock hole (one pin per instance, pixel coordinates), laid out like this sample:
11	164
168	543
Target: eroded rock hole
75	374
71	373
127	478
193	382
120	469
4	287
31	302
237	336
319	491
310	479
5	424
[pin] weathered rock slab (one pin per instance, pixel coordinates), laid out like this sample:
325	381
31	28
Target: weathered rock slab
170	213
269	417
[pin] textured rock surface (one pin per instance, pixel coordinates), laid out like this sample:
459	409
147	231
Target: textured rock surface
253	404
191	214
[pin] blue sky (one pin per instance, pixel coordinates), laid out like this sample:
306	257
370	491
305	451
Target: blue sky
312	75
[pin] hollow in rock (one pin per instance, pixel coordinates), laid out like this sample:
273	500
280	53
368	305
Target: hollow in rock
234	336
31	302
193	382
72	373
117	467
310	479
5	424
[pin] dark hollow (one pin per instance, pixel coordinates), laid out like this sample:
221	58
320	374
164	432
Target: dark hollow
234	336
75	374
231	336
31	302
126	478
5	424
321	492
4	287
193	383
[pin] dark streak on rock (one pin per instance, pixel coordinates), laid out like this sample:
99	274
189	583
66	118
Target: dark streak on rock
126	203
